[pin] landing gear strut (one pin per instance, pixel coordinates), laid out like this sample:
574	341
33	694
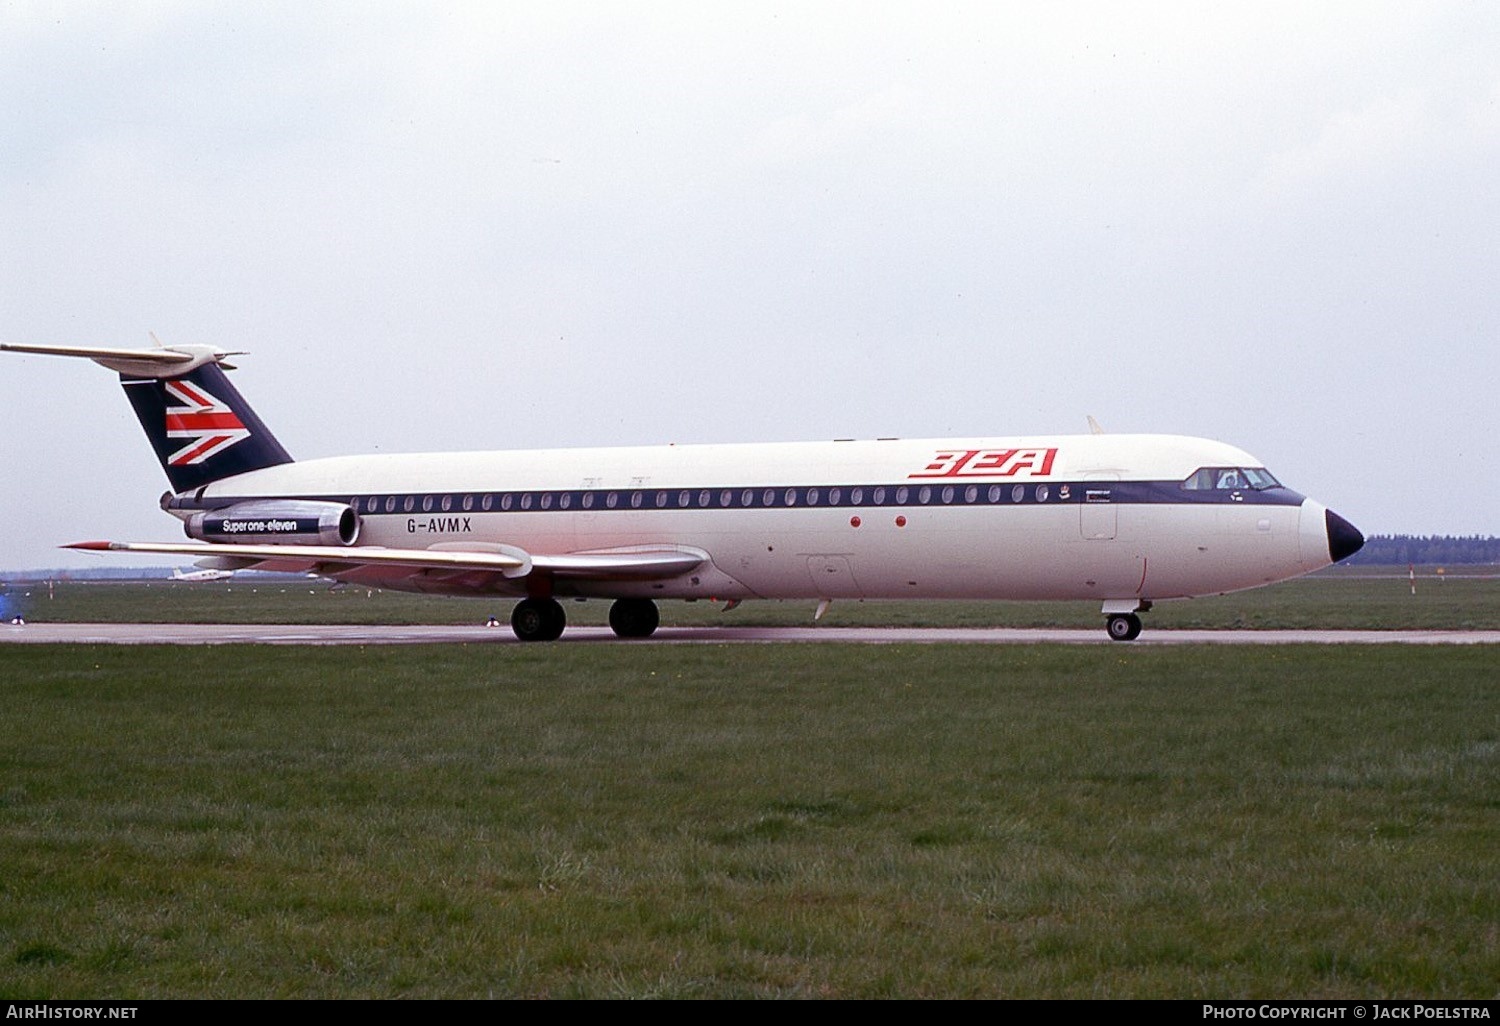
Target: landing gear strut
538	619
633	618
1123	627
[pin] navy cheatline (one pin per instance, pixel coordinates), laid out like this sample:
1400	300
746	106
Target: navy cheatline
838	496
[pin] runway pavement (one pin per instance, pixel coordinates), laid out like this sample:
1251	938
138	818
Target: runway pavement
300	634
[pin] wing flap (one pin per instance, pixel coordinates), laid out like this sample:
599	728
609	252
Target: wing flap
634	564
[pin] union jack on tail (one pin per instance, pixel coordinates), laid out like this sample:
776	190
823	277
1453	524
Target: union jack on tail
201	427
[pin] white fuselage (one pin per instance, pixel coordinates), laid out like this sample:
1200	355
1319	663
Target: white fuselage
1104	517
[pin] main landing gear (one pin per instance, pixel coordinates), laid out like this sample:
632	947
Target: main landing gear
538	619
633	618
543	619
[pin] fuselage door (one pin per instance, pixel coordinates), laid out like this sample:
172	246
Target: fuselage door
1098	515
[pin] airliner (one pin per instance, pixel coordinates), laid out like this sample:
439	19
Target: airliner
1123	520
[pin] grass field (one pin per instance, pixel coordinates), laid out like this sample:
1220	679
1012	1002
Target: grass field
1350	599
861	821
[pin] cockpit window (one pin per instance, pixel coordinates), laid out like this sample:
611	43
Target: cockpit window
1230	479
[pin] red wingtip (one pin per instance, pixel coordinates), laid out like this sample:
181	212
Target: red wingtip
91	546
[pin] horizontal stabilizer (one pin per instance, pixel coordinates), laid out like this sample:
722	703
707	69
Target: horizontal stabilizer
160	362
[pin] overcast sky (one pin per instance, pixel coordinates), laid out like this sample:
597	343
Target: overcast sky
532	225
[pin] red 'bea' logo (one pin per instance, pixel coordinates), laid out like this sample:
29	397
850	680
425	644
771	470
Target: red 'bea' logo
989	463
210	424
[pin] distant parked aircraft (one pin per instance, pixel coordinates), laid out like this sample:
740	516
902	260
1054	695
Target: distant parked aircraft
200	576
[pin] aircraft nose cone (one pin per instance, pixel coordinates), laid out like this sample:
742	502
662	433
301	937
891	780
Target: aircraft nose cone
1344	539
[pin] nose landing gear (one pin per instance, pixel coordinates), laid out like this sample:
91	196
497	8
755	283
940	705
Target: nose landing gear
1121	619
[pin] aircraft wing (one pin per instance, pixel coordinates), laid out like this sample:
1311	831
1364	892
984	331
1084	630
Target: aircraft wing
367	563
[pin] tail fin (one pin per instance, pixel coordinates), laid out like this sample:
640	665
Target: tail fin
200	426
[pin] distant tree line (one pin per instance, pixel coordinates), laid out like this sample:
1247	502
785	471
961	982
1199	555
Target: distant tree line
1427	550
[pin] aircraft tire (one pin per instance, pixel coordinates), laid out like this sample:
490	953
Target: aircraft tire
1123	627
537	619
634	618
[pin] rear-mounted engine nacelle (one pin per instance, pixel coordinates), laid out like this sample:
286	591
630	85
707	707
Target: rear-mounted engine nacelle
284	522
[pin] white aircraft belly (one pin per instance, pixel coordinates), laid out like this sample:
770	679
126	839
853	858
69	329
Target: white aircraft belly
1026	552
